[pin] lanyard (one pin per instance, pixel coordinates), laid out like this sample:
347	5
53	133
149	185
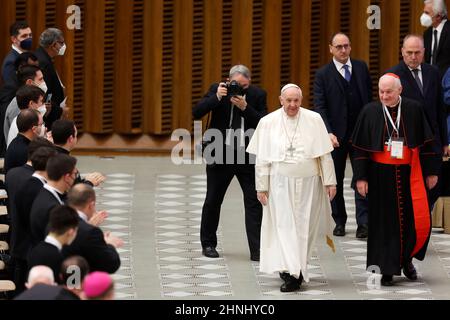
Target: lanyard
396	126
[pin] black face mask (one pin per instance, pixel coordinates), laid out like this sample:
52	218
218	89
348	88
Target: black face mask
26	44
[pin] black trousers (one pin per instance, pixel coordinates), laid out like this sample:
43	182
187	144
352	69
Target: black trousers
218	178
338	204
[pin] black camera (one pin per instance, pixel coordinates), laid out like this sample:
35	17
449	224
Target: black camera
234	89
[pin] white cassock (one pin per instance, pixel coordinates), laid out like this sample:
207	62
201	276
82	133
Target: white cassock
295	178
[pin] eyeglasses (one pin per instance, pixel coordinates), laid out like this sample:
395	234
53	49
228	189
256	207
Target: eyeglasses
341	46
61	42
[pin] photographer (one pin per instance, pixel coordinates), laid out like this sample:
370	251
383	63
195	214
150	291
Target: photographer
233	105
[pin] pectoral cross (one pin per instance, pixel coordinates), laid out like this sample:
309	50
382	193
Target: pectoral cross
389	144
291	150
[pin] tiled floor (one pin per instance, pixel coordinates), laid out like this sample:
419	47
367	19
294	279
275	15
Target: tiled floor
155	207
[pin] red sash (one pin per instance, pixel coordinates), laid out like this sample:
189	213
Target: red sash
418	193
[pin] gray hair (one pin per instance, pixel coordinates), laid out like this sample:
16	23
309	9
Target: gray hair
240	68
40	274
394	77
439	7
409	36
50	36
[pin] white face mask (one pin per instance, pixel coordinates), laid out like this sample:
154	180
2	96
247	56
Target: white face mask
42	110
62	50
426	20
43	86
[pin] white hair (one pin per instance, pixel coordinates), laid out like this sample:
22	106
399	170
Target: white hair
439	7
40	274
397	81
291	85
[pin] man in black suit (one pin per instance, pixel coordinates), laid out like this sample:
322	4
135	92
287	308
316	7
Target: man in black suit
61	172
341	89
22	40
421	82
91	243
437	36
62	226
232	114
52	45
64	134
21	194
29	124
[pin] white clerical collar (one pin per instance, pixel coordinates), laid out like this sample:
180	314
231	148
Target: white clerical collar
16	49
340	65
440	26
53	241
82	215
38	176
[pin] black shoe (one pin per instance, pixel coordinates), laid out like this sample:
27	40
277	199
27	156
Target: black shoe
339	230
409	271
284	276
210	252
254	256
387	280
362	231
291	284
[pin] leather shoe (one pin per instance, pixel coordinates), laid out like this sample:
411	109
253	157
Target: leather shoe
284	276
339	230
254	256
362	231
210	252
387	280
291	283
409	271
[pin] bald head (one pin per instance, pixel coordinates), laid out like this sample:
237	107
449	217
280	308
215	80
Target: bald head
389	89
40	274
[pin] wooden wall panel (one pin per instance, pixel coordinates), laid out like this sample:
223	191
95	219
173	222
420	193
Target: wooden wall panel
242	32
390	34
152	66
182	70
271	58
94	66
123	66
139	66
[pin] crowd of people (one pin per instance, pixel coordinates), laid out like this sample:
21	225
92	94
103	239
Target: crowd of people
57	249
294	158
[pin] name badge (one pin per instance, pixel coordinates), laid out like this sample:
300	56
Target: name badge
397	148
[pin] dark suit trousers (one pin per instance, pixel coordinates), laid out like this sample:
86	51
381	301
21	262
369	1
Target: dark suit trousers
218	179
338	204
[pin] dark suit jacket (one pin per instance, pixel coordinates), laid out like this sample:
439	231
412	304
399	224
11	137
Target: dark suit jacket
42	291
90	244
8	70
431	99
46	254
40	210
330	99
17	152
221	110
20	226
443	49
53	85
15	179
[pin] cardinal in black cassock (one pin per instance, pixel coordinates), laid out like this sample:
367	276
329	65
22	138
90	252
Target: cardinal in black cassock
399	216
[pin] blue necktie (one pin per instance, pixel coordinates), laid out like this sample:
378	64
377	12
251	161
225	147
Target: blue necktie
347	74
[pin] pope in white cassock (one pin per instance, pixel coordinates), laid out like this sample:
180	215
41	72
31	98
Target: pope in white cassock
295	181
